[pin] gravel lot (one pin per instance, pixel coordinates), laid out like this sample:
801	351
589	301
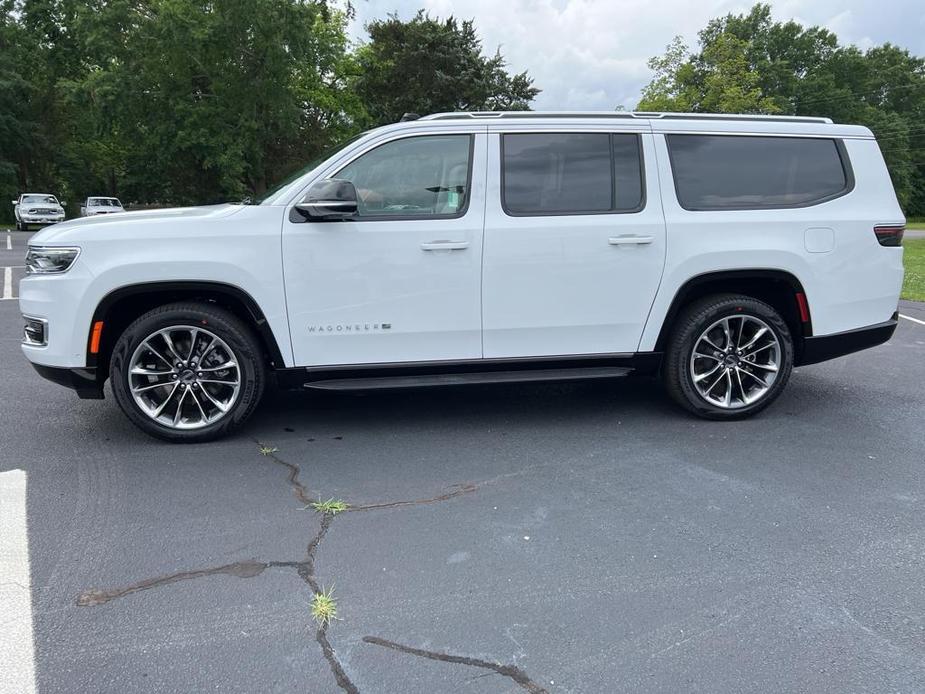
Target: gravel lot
569	538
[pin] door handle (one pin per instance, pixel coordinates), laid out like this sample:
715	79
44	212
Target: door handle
630	240
444	245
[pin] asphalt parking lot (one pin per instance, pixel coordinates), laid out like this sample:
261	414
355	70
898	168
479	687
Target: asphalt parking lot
563	538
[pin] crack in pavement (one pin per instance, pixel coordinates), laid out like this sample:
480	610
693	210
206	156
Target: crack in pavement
511	671
241	569
298	488
305	496
306	571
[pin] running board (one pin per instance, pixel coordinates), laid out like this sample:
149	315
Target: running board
417	381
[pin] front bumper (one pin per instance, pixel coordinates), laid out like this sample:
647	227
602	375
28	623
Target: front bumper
41	219
825	347
85	381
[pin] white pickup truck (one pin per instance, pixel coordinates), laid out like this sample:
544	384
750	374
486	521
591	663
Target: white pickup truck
37	208
97	205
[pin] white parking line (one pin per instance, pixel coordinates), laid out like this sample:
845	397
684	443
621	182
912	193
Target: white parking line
9	242
7	284
914	320
17	648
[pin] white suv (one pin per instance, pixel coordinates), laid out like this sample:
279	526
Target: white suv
718	252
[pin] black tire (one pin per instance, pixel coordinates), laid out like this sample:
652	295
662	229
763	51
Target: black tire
230	329
691	324
20	226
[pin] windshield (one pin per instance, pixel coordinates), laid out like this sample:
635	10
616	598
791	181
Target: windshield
104	202
39	200
314	163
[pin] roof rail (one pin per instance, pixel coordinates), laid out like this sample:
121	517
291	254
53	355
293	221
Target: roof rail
491	115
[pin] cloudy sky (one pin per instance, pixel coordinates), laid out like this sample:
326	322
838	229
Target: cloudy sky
591	54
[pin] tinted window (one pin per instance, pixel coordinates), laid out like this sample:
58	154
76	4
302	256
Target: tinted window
571	173
716	172
416	176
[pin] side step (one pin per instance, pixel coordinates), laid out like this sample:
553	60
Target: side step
417	381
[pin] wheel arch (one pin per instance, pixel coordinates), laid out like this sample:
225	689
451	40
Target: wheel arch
778	288
123	305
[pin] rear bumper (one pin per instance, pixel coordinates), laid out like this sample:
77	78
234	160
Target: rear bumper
84	381
825	347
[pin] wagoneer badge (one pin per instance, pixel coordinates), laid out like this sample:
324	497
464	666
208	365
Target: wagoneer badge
349	328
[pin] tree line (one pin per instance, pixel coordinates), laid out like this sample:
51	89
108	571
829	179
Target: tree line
196	101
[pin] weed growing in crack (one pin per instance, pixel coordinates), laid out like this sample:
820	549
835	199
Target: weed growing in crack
331	506
267	450
324	606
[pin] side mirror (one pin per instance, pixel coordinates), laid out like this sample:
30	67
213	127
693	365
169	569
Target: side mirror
15	202
329	201
62	203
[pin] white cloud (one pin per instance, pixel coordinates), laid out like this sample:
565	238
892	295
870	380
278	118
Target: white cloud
592	54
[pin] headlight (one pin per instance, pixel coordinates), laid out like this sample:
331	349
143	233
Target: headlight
50	260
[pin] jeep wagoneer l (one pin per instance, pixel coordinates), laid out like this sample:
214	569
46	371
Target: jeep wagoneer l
715	252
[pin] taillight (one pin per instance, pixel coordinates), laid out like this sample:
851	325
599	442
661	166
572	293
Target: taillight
890	234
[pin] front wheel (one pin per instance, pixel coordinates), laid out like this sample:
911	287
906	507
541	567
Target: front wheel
729	357
187	372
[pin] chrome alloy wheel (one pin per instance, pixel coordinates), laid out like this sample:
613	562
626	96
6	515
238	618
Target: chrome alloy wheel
735	361
184	377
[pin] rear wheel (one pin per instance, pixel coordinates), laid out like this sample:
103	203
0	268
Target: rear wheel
729	357
187	372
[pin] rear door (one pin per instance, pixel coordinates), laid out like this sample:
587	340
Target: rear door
574	241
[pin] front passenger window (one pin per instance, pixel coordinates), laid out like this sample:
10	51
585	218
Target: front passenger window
423	176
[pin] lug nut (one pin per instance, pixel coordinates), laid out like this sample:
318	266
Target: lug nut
199	374
174	376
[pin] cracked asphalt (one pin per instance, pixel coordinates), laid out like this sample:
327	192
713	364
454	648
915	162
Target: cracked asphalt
568	538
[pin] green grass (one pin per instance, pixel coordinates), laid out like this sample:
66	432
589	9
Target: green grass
324	606
914	260
918	224
331	506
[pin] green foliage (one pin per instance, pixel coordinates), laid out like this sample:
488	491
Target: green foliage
195	101
426	66
331	506
324	606
749	63
914	261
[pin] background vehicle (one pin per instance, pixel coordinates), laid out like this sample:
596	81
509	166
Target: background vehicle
37	208
459	248
99	205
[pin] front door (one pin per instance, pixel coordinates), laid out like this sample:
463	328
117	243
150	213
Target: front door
400	281
574	242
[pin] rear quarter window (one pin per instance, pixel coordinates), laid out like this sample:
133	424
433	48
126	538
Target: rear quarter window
744	172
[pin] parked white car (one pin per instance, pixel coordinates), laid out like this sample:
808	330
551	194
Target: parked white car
37	208
717	252
99	205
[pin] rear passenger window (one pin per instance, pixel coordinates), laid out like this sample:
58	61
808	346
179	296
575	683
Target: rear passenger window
571	173
741	172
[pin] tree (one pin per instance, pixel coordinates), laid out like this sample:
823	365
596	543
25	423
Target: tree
426	65
180	101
